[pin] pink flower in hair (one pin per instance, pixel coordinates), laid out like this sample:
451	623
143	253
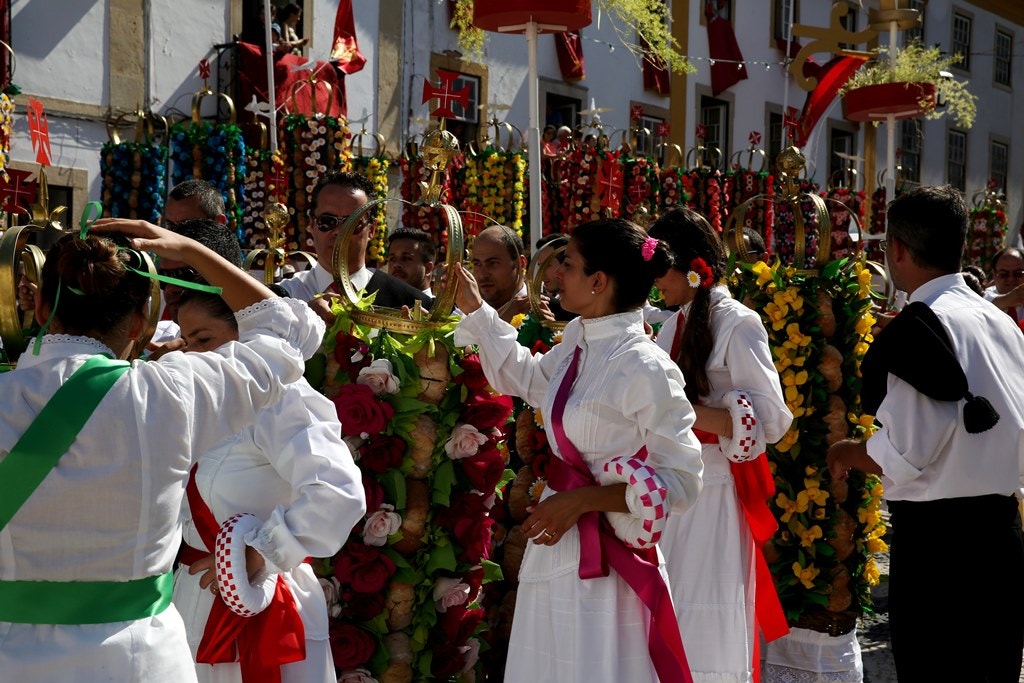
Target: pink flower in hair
647	250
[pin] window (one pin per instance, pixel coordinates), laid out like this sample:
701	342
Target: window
956	159
465	123
780	18
714	115
998	159
916	34
1002	58
723	8
646	143
910	151
561	110
849	22
842	148
962	40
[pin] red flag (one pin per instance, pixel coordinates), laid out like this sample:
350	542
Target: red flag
722	45
569	48
346	48
662	130
656	76
39	129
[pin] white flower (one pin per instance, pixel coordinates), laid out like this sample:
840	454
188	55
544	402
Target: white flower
357	676
471	651
380	525
693	279
465	441
379	376
332	595
449	593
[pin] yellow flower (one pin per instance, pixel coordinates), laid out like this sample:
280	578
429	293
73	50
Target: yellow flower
877	545
864	278
807	574
764	273
877	490
790	506
817	495
795	336
864	324
809	536
866	421
788	441
777	315
538	418
794	379
868	517
871	572
819	513
517	320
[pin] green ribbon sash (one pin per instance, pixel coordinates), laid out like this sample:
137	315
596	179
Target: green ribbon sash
84	602
53	431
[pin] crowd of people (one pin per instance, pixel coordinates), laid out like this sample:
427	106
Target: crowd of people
645	561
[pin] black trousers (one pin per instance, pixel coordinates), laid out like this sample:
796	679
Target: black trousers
956	590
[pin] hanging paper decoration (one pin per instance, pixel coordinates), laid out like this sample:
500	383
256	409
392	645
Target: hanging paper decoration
39	130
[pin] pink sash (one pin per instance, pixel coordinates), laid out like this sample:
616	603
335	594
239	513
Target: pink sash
601	548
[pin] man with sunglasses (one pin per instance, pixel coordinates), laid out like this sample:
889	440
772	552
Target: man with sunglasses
336	197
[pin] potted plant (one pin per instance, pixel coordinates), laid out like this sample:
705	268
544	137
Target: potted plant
647	19
908	86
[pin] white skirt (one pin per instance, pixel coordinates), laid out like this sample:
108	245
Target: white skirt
709	554
569	630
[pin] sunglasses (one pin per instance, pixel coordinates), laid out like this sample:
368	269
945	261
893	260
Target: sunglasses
186	274
329	222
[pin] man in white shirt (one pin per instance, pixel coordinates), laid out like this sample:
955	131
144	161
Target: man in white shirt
336	197
499	266
1007	290
950	467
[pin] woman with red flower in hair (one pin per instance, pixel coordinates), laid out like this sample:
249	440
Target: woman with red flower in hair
592	603
721	586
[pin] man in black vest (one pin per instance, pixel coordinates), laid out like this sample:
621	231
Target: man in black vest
336	197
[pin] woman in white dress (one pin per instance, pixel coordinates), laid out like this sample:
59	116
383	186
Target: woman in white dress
722	349
292	470
85	561
615	411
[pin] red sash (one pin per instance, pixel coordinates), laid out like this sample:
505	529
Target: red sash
262	643
601	548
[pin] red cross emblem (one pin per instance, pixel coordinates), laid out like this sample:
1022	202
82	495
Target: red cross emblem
204	69
636	112
39	129
473	219
637	192
17	192
754	138
662	129
702	132
790	122
279	181
445	94
611	183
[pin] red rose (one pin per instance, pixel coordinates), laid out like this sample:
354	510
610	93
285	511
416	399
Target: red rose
459	623
470	525
484	412
374	494
461	506
345	348
446	661
382	453
365	568
484	469
472	374
360	411
363	606
351	646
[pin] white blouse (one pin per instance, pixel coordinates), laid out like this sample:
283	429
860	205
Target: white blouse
628	393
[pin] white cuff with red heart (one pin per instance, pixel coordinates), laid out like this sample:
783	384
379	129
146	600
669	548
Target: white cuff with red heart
747	440
243	598
646	497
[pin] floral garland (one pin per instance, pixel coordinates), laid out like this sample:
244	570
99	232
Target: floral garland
986	236
705	189
672	194
404	592
501	185
640	195
844	206
577	173
215	153
376	169
134	180
432	220
819	328
311	147
6	124
785	228
877	224
264	169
